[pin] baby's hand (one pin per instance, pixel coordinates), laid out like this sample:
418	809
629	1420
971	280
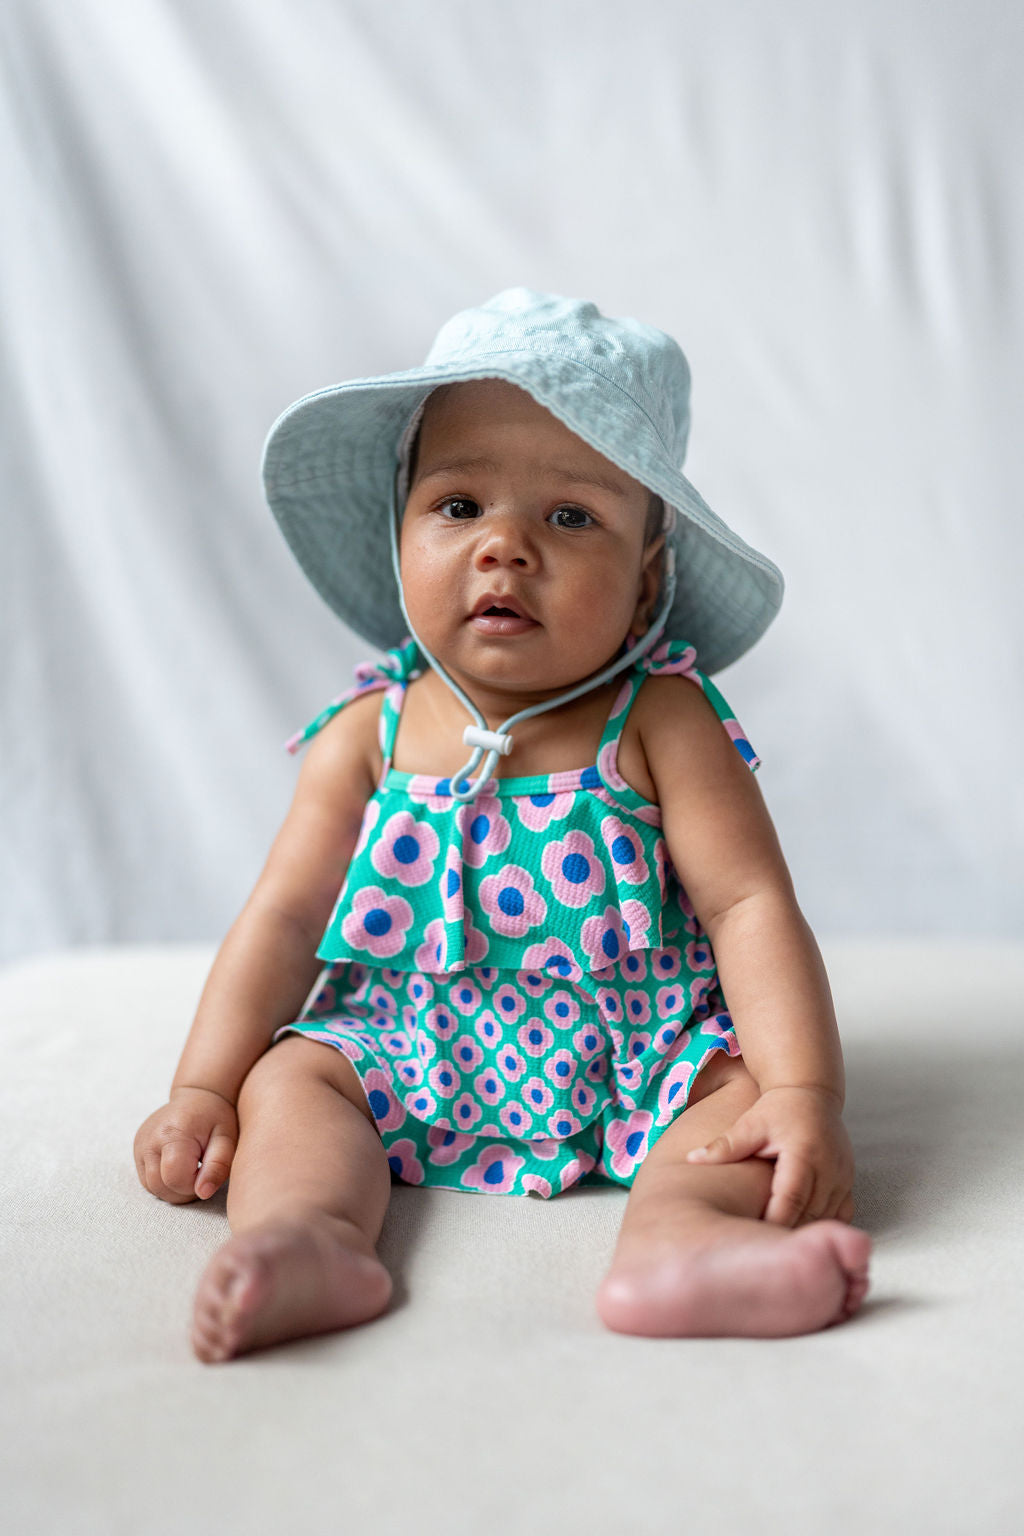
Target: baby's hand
802	1129
197	1125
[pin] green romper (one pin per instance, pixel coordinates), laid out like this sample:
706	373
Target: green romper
519	981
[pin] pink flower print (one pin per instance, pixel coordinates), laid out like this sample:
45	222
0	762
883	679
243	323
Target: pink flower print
511	902
371	816
638	1043
377	922
485	976
735	732
636	920
575	873
476	944
610	1004
561	1009
495	1171
386	1108
574	1171
488	1028
720	1025
628	1078
633	966
510	1064
396	1042
322	1003
666	962
466	1053
466	1112
406	849
409	1017
435	794
450	886
515	1119
608	765
390	977
532	982
537	1096
433	952
604	938
533	1184
553	958
698	990
404	1162
382	1001
627	851
587	1041
563	1123
583	1098
445	1145
444	1079
685	907
411	1073
489	1086
627	1142
484	829
441	1022
560	1068
534	1037
508	1003
426	1046
422	1103
675	1090
699	956
597	1069
538	811
464	996
636	1008
671	1001
545	1147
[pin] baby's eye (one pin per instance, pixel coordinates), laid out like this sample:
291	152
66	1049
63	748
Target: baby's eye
461	508
570	517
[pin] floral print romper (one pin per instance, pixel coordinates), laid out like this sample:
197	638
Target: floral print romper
519	981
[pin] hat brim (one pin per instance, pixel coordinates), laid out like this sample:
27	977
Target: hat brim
329	463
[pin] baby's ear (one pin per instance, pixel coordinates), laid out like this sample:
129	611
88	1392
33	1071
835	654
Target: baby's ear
650	584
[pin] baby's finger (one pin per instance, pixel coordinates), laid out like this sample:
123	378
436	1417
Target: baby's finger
216	1165
792	1187
178	1162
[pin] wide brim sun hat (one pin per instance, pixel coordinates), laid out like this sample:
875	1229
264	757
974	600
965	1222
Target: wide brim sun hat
330	462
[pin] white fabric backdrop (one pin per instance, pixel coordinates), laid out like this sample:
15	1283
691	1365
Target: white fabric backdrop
212	208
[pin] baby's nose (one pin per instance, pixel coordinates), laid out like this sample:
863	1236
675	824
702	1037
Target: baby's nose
505	541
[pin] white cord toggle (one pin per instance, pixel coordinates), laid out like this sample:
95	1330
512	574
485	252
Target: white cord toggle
494	741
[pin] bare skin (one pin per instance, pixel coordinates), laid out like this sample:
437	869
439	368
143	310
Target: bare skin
694	1255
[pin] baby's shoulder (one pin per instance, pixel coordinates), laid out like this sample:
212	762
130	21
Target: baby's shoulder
349	743
670	717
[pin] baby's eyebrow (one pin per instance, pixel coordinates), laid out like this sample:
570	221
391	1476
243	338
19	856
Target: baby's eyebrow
570	476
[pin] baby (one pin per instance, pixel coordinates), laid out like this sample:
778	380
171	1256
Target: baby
592	966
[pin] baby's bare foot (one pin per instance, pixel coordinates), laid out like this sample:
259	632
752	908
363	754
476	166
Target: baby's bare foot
285	1280
727	1275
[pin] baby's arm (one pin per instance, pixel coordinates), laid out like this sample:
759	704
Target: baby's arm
266	965
724	848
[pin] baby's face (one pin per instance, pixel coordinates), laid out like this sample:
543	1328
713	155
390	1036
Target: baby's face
523	556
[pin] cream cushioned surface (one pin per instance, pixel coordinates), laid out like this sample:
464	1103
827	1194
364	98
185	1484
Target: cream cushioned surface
490	1399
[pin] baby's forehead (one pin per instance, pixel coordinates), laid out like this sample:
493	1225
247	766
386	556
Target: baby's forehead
475	410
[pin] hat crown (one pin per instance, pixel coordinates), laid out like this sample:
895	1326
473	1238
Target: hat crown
641	361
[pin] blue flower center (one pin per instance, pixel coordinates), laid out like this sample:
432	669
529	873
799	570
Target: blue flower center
623	851
495	1173
407	849
511	901
575	868
453	882
378	1103
479	828
634	1142
377	921
541	800
610	943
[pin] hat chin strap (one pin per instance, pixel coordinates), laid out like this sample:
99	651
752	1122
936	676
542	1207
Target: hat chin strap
499	743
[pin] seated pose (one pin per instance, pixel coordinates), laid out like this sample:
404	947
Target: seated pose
559	943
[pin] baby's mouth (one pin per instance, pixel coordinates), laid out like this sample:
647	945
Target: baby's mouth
493	617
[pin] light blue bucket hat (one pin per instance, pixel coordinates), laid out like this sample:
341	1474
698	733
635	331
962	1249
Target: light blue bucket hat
331	460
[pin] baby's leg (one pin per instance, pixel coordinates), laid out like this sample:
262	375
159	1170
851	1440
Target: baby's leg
308	1191
694	1257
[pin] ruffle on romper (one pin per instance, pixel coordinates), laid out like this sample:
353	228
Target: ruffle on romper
520	982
